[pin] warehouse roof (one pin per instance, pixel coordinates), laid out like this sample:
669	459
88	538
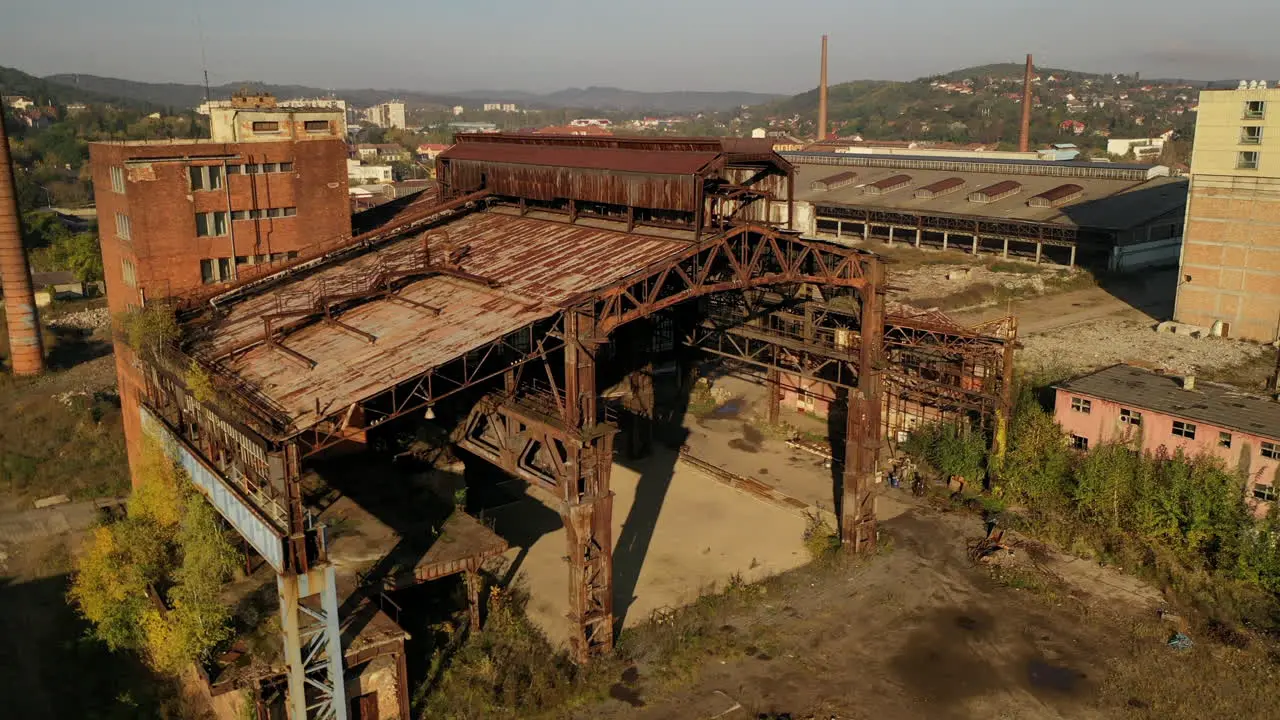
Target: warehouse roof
1210	403
1105	203
534	266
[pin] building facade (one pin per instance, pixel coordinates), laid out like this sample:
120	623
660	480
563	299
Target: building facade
387	115
179	216
1153	412
1230	268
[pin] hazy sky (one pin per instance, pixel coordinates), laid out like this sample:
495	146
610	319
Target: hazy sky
542	45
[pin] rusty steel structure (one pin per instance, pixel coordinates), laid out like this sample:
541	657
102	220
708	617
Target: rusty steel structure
26	348
504	300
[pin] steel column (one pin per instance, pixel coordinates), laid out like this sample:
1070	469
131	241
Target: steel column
312	644
862	437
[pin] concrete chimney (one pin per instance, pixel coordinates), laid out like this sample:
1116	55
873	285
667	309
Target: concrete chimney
1188	382
822	93
26	351
1024	138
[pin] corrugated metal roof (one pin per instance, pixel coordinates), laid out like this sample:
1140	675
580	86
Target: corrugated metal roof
1106	203
1210	403
1056	196
538	264
940	187
638	161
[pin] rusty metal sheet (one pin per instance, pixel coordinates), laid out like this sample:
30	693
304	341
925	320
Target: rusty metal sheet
637	161
537	264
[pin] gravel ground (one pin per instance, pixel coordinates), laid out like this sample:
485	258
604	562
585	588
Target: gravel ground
91	319
932	281
1107	342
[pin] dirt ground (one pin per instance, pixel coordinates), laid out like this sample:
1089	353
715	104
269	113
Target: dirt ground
677	535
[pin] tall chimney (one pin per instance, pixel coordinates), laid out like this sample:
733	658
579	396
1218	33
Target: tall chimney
822	94
26	351
1024	139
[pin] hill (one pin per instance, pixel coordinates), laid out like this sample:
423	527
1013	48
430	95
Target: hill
1014	70
183	95
45	90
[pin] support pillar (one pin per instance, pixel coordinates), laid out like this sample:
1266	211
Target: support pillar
890	236
1072	261
919	231
1039	248
1005	253
474	581
1004	410
587	511
862	435
945	237
839	228
866	230
774	387
975	244
639	440
312	644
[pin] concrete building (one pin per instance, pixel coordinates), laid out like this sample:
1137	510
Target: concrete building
189	215
1143	148
358	173
1231	260
1153	412
224	107
499	107
387	115
259	118
458	110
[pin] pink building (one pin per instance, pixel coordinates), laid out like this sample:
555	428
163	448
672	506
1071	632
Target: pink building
1153	410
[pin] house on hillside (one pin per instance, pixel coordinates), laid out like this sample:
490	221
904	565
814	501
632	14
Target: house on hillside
1156	412
17	102
1073	126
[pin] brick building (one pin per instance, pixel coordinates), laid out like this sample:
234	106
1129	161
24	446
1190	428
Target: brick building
1230	268
1125	403
181	215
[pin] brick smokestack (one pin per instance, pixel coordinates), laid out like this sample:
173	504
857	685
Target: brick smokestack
1024	139
822	94
26	350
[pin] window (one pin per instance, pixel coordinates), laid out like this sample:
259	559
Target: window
266	126
1184	429
316	126
117	179
270	167
1255	109
206	271
1224	439
206	177
1081	405
213	270
1247	160
1251	135
124	229
211	224
1265	493
1079	443
286	167
128	272
1130	417
290	211
239	214
235	169
1271	451
252	169
224	268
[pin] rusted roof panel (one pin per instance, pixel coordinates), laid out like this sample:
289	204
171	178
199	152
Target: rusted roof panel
1056	196
831	182
991	193
941	187
637	161
538	265
888	184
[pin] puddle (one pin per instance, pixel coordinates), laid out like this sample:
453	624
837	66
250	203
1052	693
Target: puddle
730	409
622	693
1053	677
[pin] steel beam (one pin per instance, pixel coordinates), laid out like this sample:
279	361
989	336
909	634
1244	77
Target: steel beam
862	441
312	644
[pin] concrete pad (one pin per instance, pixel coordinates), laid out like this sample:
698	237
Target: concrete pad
677	535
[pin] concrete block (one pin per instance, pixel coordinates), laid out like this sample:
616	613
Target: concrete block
52	500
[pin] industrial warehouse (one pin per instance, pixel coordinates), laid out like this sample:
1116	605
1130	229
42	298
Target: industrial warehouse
1105	216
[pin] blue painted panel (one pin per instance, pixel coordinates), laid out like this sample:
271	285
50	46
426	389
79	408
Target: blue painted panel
251	526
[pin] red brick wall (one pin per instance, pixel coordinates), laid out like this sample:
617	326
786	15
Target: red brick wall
161	207
1102	424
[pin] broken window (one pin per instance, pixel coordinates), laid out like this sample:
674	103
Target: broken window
1271	451
1184	429
1081	405
1079	443
1251	135
1255	109
211	224
1247	160
1130	417
1265	493
205	177
1224	439
316	126
266	126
